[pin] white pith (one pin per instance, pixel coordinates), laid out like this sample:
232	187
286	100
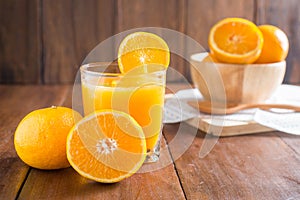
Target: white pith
106	146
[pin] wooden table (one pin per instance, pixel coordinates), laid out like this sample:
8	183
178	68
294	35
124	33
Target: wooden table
260	166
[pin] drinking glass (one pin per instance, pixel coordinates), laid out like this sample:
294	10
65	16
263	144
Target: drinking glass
139	93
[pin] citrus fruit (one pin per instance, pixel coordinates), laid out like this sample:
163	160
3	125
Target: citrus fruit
142	48
235	40
276	45
106	146
40	138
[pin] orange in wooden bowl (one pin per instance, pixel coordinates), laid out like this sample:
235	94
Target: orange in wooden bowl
235	40
276	45
236	83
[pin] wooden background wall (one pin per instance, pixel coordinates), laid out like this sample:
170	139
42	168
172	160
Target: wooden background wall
45	41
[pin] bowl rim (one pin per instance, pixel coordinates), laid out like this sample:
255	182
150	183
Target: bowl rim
198	57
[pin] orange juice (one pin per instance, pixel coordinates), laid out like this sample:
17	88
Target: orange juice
141	96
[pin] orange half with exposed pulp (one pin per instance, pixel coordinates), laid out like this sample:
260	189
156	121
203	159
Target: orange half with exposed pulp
235	40
106	146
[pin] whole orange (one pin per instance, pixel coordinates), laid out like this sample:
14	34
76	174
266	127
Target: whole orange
275	46
40	138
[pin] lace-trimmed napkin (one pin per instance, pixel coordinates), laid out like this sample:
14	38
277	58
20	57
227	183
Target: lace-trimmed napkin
282	120
244	122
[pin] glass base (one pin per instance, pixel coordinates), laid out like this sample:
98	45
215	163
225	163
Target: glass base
153	154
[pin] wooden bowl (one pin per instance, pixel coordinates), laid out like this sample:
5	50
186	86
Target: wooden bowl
236	83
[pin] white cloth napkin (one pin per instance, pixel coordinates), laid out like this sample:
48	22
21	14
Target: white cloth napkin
177	110
282	120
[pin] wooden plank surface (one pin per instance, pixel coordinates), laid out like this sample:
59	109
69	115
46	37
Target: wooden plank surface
18	180
155	13
202	15
260	166
20	45
282	13
45	41
71	29
16	102
67	184
245	167
228	127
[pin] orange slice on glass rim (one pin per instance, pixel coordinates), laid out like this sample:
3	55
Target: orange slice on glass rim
142	48
235	40
106	146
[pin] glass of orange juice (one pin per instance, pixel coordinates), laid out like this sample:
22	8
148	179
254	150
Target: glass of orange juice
139	92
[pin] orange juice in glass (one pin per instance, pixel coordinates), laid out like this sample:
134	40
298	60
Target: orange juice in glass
140	93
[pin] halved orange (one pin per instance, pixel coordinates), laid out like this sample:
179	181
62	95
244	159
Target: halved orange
142	48
235	40
106	146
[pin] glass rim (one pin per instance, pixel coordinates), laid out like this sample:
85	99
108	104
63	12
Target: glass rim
85	69
104	65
